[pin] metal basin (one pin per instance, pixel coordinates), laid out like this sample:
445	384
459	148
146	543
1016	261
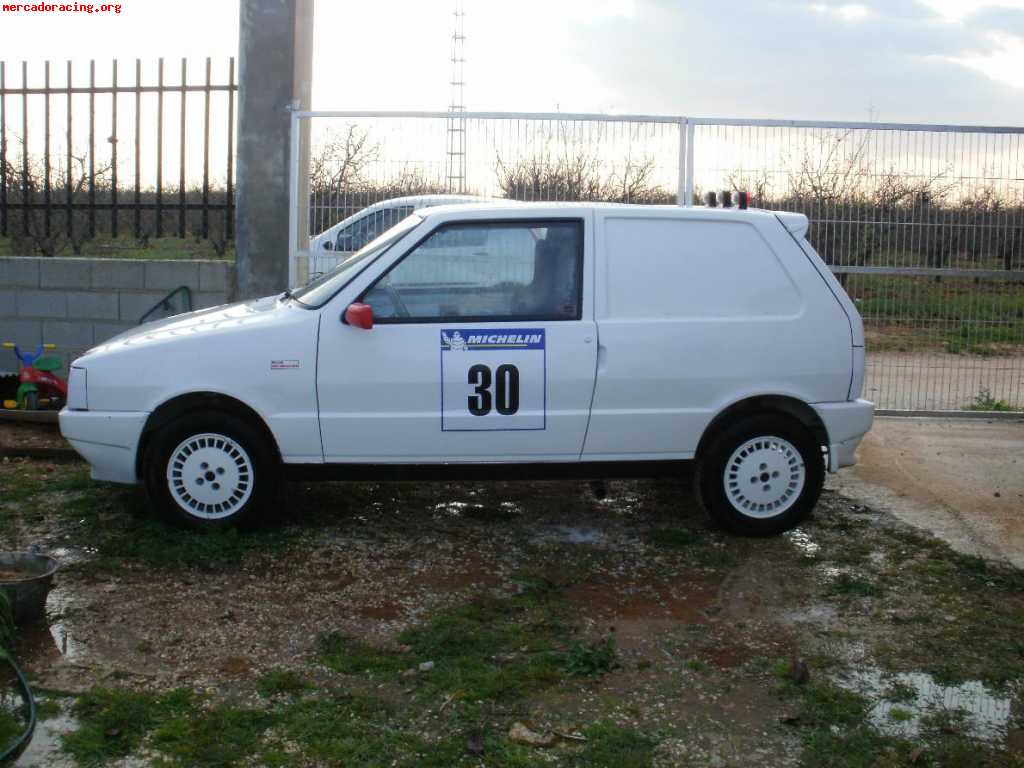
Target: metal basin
26	578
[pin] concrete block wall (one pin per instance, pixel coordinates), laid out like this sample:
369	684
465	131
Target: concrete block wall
78	303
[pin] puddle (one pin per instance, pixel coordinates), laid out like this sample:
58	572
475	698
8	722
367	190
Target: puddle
71	555
803	542
47	641
44	749
455	508
904	700
816	613
570	534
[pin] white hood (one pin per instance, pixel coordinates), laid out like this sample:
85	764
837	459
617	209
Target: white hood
226	317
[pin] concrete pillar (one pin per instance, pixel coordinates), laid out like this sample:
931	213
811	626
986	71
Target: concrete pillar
275	55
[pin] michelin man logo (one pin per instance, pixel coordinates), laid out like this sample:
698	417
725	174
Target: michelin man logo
455	342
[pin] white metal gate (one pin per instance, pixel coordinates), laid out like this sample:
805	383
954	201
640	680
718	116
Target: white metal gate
924	224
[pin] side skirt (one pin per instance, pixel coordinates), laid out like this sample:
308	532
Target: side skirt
597	470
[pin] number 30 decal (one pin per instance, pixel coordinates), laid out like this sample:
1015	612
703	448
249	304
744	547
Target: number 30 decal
493	379
506	390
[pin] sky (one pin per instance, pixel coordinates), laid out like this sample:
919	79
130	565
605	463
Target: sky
949	61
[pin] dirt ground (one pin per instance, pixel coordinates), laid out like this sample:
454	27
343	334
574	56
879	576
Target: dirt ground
960	479
521	624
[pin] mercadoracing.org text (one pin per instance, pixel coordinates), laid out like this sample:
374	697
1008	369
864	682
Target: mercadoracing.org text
62	7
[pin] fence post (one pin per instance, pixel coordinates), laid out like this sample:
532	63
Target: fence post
293	197
690	139
681	181
275	65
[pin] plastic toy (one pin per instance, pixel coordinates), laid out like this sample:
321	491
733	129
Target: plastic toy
38	384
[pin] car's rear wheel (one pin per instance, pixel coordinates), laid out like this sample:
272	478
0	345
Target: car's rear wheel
761	475
210	469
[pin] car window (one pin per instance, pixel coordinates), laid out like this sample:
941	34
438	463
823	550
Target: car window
486	271
372	225
318	292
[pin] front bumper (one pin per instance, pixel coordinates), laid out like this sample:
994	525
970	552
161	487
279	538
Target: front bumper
846	424
108	440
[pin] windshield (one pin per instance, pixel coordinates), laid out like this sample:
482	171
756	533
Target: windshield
317	292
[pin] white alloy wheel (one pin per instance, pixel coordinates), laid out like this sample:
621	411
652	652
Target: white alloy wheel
210	476
764	477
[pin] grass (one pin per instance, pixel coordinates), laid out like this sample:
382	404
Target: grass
495	649
181	730
117	525
487	654
613	746
490	652
11	727
501	658
11	724
592	659
281	682
837	733
7	628
701	547
114	722
958	601
218	737
899	715
984	401
853	586
960	315
130	248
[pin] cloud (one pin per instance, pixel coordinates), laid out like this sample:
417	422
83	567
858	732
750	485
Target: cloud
785	59
1006	20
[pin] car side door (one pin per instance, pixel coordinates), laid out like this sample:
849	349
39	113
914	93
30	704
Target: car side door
483	349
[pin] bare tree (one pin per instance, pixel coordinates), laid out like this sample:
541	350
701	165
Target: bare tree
341	160
577	174
28	184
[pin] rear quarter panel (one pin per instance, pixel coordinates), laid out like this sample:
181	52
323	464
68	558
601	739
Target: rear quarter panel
736	329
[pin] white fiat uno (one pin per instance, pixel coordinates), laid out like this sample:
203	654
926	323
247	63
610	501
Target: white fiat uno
501	340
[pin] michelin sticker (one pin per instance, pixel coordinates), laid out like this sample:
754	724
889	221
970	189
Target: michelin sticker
493	379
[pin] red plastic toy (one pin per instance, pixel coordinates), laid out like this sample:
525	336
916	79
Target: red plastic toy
37	383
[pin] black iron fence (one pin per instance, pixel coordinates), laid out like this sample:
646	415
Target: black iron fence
61	188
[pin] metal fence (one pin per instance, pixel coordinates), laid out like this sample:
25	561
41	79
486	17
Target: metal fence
67	177
923	224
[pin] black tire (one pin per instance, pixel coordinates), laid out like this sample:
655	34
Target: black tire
728	506
241	454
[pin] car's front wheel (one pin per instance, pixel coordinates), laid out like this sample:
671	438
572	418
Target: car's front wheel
209	469
760	476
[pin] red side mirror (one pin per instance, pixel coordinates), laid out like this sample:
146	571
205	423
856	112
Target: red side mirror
359	315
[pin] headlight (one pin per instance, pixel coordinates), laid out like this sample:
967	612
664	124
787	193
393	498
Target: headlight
78	396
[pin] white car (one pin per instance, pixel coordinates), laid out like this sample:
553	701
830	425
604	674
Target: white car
501	340
352	233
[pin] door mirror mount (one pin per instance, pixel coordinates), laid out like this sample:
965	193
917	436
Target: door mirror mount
359	315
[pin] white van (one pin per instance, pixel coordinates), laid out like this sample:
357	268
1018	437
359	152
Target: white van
567	340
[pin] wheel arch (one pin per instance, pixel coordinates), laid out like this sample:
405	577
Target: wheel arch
189	402
761	404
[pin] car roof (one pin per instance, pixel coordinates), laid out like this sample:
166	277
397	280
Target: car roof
492	207
412	201
418	200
